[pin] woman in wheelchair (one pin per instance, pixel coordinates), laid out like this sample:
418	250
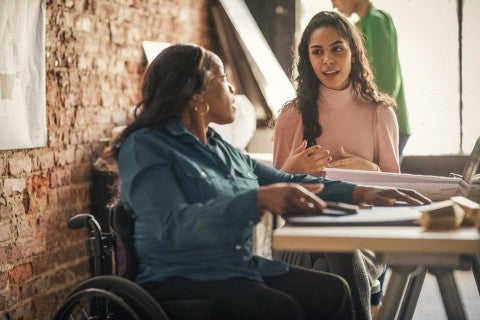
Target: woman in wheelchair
195	200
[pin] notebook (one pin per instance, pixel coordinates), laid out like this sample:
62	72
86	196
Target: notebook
376	216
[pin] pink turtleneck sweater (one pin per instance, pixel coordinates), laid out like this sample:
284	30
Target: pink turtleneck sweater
363	129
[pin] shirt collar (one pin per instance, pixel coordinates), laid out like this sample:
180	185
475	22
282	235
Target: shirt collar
176	128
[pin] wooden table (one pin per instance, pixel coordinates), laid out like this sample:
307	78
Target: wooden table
409	252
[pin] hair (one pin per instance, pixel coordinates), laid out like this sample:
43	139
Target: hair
308	84
169	82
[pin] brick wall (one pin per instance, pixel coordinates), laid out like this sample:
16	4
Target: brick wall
94	64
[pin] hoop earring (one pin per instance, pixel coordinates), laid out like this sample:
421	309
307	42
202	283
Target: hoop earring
204	112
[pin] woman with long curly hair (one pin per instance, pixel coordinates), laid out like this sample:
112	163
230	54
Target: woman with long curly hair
337	119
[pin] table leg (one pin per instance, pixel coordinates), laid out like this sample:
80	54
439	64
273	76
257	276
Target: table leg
450	295
395	288
412	293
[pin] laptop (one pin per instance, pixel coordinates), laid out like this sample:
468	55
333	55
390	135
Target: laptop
402	215
469	186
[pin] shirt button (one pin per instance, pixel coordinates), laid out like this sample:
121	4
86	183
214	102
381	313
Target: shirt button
250	222
238	247
203	174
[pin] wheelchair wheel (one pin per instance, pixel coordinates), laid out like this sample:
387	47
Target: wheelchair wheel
94	303
110	297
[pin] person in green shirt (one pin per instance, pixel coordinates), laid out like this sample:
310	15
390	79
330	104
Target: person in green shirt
380	39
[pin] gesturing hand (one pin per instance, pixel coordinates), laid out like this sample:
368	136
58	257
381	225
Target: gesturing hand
387	196
351	161
288	198
312	160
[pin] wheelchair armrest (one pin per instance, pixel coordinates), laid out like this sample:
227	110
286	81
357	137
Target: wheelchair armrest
83	220
98	244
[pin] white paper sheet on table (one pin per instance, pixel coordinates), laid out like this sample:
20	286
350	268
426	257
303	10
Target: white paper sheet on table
435	187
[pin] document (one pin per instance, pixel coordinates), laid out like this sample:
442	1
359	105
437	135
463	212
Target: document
437	188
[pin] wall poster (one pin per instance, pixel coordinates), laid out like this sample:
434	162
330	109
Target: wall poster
22	74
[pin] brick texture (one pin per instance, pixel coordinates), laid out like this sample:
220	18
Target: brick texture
94	66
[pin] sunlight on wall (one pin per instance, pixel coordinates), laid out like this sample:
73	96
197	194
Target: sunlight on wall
428	49
471	74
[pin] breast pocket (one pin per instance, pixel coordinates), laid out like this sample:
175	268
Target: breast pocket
198	184
245	179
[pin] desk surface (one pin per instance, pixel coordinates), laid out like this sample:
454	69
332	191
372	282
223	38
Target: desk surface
381	239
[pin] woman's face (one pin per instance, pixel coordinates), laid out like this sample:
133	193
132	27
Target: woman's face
330	57
219	94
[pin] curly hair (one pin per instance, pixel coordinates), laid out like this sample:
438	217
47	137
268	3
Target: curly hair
361	76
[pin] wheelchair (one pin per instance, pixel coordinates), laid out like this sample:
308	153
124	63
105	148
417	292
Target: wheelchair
111	292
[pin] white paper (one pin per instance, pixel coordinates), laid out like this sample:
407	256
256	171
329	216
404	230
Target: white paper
153	48
22	74
435	187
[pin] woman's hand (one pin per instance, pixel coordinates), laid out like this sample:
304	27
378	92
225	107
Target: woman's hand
351	161
290	198
305	160
384	196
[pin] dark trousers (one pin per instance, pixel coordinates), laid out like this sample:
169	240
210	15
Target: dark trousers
298	294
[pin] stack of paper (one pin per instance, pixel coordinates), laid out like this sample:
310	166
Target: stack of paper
435	187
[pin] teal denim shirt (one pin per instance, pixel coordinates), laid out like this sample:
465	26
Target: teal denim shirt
195	205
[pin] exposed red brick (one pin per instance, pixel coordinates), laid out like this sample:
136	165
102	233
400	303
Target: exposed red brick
46	160
3	282
94	67
20	273
13	186
5	233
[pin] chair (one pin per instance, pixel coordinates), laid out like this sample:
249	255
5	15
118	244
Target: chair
122	226
111	293
105	295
